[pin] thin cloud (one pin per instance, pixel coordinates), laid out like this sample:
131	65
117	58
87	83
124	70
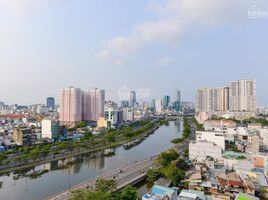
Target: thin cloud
164	61
175	18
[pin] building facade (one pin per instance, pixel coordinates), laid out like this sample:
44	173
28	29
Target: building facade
200	150
50	102
50	129
243	95
24	136
216	137
94	104
166	101
158	105
212	99
132	99
71	106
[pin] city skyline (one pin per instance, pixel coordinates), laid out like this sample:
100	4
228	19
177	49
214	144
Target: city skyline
52	49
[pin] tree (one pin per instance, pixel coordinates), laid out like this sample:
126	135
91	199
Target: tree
105	185
81	124
129	193
166	157
153	175
34	154
91	195
173	173
2	157
110	137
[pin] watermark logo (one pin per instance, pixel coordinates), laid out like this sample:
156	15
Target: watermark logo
254	12
143	93
125	93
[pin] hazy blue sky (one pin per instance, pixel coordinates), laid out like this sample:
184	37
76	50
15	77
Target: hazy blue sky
157	45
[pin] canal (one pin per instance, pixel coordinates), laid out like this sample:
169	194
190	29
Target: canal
18	186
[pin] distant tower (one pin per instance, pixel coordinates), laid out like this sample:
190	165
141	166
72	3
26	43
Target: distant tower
94	104
50	102
166	101
178	104
132	99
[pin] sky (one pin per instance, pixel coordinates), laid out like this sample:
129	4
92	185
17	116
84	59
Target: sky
153	45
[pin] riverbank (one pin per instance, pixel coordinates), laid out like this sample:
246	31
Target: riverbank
64	156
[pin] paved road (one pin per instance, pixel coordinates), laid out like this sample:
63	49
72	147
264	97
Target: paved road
123	176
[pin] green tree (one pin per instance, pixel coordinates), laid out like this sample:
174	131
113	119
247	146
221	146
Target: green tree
153	175
173	173
34	154
81	124
129	193
91	195
105	185
110	137
165	158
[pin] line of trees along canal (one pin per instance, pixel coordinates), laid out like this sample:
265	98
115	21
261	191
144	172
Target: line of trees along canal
34	155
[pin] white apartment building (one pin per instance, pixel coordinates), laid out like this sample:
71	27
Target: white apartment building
200	150
210	136
50	129
243	95
212	99
128	115
158	105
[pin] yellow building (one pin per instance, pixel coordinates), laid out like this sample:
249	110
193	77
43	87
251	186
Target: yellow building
102	123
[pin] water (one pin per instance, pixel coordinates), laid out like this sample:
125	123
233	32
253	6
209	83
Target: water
89	166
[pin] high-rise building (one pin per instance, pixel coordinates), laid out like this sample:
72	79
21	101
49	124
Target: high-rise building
212	99
166	101
153	105
242	95
50	102
178	103
158	105
94	104
132	99
124	104
70	106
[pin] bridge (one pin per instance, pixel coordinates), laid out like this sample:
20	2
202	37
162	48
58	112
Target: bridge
129	175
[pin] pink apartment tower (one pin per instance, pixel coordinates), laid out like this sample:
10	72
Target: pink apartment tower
71	106
94	104
76	105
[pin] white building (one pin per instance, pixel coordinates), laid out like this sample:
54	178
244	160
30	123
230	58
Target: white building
212	99
216	137
243	95
113	115
50	129
158	105
128	115
200	150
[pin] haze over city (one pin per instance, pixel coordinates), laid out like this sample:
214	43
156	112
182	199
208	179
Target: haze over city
157	45
133	100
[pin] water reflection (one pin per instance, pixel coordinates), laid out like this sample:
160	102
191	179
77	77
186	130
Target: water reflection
71	171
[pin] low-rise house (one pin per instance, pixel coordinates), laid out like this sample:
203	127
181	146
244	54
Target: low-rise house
161	193
243	196
216	137
229	181
24	136
201	150
193	195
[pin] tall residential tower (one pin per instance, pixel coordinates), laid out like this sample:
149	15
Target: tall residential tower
71	105
243	95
